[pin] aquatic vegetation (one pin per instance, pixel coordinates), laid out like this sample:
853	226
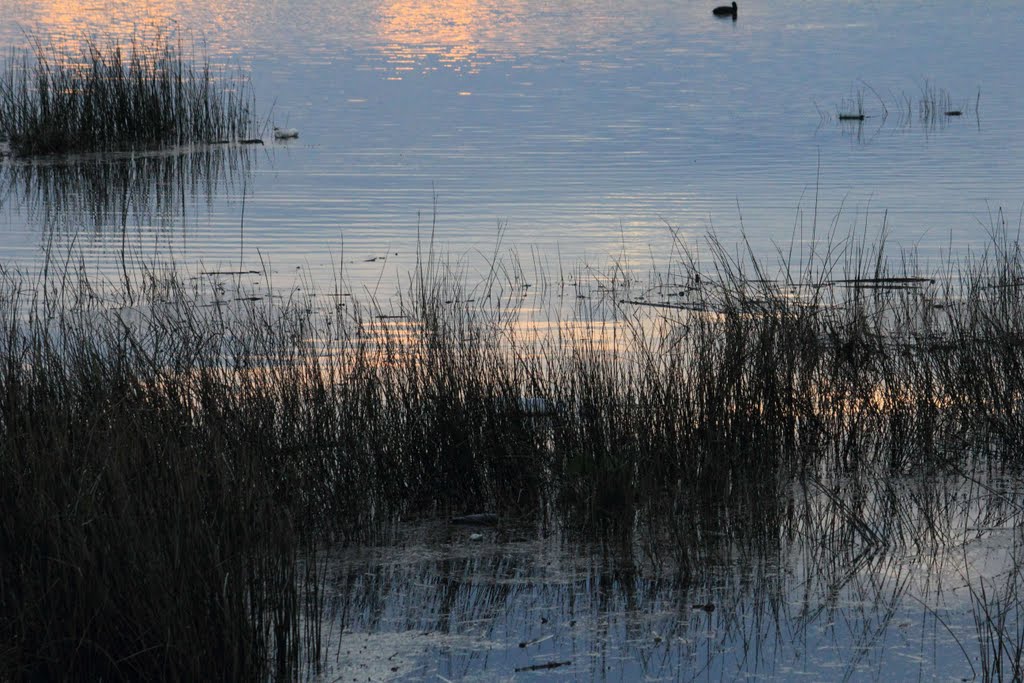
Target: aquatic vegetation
118	97
933	107
852	108
134	547
174	450
936	103
997	611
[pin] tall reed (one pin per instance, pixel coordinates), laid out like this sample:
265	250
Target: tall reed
142	539
95	97
171	457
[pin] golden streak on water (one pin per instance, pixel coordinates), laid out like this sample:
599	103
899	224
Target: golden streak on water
72	26
412	29
70	23
456	32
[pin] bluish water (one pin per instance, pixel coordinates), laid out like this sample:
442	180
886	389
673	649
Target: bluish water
585	128
446	603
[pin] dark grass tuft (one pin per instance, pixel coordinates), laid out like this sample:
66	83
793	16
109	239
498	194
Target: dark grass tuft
115	97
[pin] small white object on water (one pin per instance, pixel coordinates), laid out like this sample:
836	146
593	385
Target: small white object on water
476	537
285	133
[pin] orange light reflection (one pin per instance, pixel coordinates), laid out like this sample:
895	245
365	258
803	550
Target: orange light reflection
457	32
69	26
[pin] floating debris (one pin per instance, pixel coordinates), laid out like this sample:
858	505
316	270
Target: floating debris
697	307
882	282
542	667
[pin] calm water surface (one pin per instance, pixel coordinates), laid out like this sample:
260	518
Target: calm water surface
584	128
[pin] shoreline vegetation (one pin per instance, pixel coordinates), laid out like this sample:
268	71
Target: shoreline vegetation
99	98
174	460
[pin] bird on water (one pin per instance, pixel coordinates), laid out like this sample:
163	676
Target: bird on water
726	11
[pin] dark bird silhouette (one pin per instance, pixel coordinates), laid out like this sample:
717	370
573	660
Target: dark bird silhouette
726	11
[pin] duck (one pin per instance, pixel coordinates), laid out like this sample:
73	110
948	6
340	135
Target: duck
726	11
285	133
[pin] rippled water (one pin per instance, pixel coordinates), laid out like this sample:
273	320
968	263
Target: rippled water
584	128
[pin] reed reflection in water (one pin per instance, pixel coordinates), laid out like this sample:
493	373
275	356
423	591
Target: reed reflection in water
438	602
106	192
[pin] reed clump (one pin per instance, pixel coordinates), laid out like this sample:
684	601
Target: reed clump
141	538
172	453
95	98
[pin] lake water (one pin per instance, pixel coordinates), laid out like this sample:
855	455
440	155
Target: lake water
583	129
573	132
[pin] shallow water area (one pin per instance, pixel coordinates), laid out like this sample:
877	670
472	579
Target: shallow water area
447	602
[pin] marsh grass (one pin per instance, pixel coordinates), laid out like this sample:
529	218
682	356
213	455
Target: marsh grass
99	97
139	543
997	614
935	105
172	457
788	589
932	108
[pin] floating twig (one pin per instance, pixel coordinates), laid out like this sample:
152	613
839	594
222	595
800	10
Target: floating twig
542	667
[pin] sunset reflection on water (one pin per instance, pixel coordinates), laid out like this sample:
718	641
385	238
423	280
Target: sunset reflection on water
455	32
464	34
69	18
70	26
